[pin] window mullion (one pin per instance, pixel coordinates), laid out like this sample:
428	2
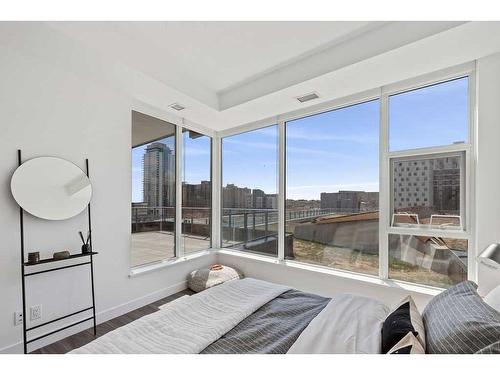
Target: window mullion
216	192
470	173
281	190
179	248
384	186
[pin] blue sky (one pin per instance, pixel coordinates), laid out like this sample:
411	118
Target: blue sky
433	116
323	154
336	150
196	159
251	159
326	152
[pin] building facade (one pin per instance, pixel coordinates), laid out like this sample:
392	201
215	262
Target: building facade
237	197
159	175
350	201
429	183
197	195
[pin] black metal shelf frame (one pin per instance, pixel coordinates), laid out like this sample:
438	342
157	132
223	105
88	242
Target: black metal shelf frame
24	264
51	260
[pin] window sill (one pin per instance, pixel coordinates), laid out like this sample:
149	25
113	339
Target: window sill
410	287
140	270
374	280
244	254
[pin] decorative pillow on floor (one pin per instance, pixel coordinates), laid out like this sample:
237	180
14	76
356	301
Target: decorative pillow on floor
200	280
408	345
404	319
458	321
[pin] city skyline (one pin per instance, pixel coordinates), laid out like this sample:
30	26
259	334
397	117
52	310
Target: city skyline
335	150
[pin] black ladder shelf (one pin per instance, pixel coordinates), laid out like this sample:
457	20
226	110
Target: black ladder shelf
26	265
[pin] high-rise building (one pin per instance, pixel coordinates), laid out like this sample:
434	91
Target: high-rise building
258	198
427	183
446	186
236	197
159	175
197	195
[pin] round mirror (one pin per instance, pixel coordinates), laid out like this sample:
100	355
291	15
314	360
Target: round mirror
51	188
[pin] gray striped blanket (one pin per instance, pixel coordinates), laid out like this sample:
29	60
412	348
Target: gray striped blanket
273	328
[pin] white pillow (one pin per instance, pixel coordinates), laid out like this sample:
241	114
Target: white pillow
493	298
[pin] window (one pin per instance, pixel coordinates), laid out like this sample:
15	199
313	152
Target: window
249	192
442	191
428	236
435	115
332	188
430	260
153	190
420	232
196	191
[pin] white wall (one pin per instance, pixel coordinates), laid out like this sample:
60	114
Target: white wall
48	108
488	164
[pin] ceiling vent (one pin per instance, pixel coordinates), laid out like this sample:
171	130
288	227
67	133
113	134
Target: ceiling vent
177	106
307	97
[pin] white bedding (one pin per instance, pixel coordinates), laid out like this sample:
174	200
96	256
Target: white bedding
348	324
189	324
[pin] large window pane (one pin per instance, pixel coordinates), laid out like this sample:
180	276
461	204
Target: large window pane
196	191
436	115
249	193
153	190
434	261
427	192
332	188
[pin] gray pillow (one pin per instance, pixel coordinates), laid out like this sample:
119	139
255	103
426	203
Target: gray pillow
458	321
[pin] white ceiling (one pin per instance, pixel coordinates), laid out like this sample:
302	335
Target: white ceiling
203	58
230	73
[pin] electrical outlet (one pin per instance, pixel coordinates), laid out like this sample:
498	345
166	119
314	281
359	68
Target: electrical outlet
36	312
18	318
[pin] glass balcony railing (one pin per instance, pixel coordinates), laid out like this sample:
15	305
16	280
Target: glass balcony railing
145	219
256	230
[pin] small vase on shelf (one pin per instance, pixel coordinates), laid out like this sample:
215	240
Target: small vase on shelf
86	249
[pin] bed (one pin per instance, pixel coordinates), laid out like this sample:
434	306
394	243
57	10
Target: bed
255	316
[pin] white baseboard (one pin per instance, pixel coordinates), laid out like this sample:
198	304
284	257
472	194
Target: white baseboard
124	308
101	317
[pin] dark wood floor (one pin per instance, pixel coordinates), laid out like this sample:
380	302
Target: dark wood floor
84	337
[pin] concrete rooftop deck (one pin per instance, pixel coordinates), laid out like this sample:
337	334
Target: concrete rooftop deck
150	247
